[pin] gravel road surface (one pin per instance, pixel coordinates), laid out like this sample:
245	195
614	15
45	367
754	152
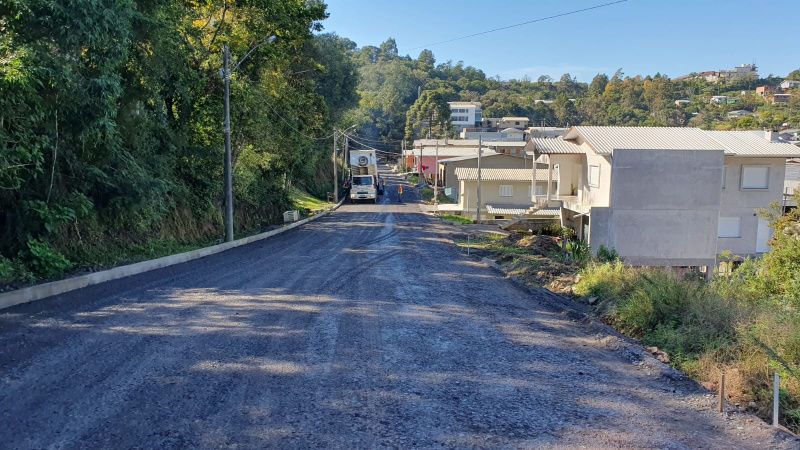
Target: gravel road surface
364	329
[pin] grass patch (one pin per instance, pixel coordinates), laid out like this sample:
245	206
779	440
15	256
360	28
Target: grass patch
306	203
456	219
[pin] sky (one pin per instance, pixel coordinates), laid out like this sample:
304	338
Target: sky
672	37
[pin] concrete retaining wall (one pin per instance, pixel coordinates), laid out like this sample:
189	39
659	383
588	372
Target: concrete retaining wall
40	291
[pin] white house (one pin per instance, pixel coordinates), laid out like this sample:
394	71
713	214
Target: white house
790	84
465	114
665	196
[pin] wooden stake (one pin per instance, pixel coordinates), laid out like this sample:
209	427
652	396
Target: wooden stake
721	402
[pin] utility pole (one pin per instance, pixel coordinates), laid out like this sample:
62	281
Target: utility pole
228	169
226	74
478	210
436	177
335	172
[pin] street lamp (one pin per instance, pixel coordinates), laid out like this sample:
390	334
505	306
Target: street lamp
226	76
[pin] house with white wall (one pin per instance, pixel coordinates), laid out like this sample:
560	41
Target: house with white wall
505	193
465	114
665	196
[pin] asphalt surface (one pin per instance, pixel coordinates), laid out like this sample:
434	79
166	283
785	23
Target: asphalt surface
364	329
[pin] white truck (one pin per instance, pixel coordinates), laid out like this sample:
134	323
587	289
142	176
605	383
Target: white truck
365	184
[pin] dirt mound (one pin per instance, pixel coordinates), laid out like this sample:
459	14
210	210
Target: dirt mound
538	244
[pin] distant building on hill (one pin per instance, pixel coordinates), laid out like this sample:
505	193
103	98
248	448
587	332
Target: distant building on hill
790	84
465	114
738	73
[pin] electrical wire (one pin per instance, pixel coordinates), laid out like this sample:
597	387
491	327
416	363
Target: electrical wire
292	127
369	147
528	22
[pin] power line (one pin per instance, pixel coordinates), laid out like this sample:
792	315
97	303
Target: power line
369	147
292	127
379	141
528	22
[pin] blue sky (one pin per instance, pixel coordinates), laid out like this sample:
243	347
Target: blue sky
674	37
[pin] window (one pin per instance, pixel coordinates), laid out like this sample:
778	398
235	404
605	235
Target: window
724	176
729	227
594	176
506	190
755	177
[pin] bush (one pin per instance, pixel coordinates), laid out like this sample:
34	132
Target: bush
6	270
44	261
605	254
606	281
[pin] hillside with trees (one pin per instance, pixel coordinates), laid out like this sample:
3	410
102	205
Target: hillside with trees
389	85
111	125
111	119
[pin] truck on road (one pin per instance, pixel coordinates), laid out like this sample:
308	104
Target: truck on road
365	183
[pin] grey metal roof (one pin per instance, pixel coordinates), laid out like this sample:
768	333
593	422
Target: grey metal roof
747	143
471	173
486	154
448	152
522	210
463	143
605	139
556	145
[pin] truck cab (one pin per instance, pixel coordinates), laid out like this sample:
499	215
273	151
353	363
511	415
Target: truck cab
363	187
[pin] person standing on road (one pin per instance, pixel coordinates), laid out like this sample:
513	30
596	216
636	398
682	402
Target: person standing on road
399	193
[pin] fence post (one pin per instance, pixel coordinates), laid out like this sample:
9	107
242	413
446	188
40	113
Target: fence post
468	243
776	387
721	400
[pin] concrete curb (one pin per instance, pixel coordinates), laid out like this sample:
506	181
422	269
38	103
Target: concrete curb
41	291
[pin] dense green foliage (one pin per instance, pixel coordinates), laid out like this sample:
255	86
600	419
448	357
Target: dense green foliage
390	84
746	322
111	114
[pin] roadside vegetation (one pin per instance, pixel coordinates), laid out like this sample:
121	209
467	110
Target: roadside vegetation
745	322
111	126
306	203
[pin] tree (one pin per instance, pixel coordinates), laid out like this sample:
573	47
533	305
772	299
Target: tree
565	110
429	114
598	85
794	75
388	50
426	61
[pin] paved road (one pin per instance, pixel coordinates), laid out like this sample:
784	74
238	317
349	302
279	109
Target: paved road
364	329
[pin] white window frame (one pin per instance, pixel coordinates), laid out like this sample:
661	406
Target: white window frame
596	182
509	189
729	234
752	166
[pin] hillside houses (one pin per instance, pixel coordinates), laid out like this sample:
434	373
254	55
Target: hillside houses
659	196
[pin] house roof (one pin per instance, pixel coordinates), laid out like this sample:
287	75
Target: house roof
504	119
486	154
556	145
748	143
604	140
464	143
471	173
450	152
522	210
512	130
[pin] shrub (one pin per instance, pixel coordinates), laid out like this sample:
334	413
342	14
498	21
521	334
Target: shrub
44	261
6	270
607	281
605	254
